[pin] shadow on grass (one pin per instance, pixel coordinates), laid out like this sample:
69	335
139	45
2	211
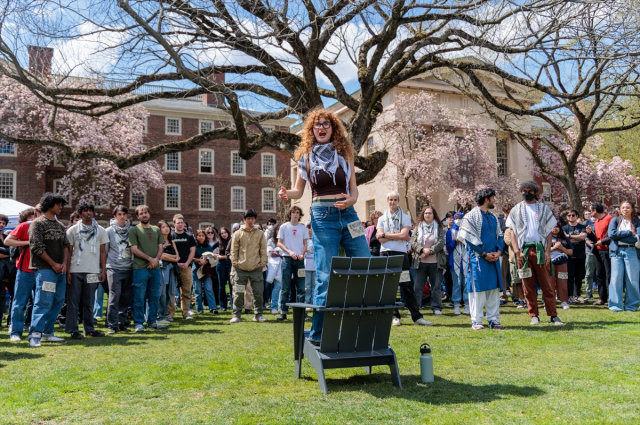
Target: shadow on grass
441	391
10	356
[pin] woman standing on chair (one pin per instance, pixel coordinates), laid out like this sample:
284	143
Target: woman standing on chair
325	160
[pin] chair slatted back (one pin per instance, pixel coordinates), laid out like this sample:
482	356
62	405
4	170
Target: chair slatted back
349	331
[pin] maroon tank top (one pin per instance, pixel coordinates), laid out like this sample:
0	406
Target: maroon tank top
324	183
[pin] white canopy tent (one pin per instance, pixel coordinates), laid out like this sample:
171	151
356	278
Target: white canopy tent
12	209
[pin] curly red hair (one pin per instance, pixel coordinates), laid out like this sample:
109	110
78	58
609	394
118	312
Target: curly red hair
338	136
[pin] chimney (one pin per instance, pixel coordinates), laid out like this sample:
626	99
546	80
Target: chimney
40	59
213	99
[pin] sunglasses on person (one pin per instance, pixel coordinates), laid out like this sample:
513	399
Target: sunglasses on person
571	215
209	233
324	124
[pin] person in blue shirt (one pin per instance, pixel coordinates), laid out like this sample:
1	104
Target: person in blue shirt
484	244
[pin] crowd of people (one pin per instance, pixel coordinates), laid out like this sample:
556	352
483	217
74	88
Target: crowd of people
473	260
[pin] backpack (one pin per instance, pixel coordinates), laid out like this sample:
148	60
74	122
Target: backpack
14	254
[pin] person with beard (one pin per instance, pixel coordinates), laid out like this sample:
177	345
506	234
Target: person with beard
146	245
531	223
119	270
87	268
481	232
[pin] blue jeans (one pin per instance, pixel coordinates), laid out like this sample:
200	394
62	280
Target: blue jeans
459	288
329	225
203	285
625	271
275	295
224	275
289	267
167	290
309	285
98	305
146	284
47	305
25	284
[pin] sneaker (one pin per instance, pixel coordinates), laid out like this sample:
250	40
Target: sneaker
157	326
191	313
95	334
556	321
571	301
456	310
15	338
522	304
437	312
222	309
565	306
123	329
396	321
214	312
282	317
539	291
599	302
477	326
314	342
169	319
581	300
535	320
51	338
234	320
466	309
503	302
494	324
307	318
164	322
34	340
274	311
112	331
188	318
259	319
423	322
139	328
77	335
508	293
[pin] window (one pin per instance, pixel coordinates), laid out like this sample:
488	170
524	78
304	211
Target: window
237	164
172	162
443	100
546	192
206	126
206	198
268	200
137	200
206	161
237	199
204	225
58	160
502	157
99	202
58	189
615	201
371	207
7	148
173	126
7	184
172	197
464	103
268	165
369	146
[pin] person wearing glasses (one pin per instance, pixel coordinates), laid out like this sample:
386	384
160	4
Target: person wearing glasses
325	160
624	254
576	265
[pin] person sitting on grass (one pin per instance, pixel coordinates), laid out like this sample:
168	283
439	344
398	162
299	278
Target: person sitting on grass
248	256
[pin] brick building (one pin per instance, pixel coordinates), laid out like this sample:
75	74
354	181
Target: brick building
208	185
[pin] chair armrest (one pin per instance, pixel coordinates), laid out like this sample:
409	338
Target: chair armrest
303	305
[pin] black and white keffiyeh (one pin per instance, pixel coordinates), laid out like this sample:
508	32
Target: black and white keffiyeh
424	230
123	237
87	235
394	220
517	221
323	157
471	227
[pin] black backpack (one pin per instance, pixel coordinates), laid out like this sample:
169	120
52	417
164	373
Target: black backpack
14	254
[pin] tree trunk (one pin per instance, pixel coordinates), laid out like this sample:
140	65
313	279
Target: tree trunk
569	183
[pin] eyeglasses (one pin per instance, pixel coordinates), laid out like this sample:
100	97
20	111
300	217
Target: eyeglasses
209	233
324	124
571	215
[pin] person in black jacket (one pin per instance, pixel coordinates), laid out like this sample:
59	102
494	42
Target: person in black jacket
5	266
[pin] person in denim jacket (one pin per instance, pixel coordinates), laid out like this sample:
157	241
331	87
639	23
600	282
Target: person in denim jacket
624	253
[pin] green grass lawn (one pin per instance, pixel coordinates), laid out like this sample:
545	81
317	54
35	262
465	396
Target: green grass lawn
208	371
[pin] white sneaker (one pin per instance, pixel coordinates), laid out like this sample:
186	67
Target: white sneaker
191	313
423	322
235	320
456	309
274	311
164	322
396	321
15	338
565	306
34	339
466	309
51	338
139	328
188	318
437	312
535	320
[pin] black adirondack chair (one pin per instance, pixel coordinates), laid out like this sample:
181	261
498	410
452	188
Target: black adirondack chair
357	318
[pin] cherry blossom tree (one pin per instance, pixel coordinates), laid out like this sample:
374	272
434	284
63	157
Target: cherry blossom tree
596	179
431	147
96	179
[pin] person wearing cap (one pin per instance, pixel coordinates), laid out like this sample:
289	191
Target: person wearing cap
186	246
